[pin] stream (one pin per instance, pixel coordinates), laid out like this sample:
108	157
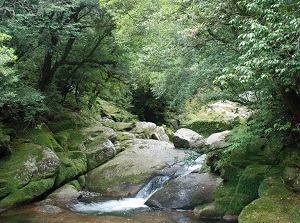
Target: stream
96	209
122	205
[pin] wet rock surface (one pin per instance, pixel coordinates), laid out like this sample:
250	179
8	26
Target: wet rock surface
186	192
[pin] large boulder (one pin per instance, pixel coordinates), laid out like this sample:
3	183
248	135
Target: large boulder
217	139
64	195
149	130
99	130
130	170
186	138
98	150
186	192
29	173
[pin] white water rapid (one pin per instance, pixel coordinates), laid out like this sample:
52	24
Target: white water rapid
124	204
135	203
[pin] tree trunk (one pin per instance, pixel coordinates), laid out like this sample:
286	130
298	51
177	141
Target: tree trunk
47	69
292	101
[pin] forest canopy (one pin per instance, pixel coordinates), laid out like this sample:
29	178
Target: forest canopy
152	56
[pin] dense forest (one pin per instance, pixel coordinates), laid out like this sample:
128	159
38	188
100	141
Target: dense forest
151	57
157	60
165	51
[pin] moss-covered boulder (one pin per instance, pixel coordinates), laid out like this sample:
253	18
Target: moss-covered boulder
240	188
214	117
29	172
41	136
276	204
72	165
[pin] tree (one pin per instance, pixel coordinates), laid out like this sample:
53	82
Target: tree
268	64
8	78
17	101
61	44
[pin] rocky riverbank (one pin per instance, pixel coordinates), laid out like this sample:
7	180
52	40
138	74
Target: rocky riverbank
116	157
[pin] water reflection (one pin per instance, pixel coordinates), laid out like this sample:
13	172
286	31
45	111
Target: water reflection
30	214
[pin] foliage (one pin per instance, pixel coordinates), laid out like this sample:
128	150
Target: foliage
64	47
17	101
265	74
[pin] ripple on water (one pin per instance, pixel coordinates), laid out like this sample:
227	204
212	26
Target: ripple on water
30	214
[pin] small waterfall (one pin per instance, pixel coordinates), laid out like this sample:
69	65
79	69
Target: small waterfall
154	185
125	204
137	202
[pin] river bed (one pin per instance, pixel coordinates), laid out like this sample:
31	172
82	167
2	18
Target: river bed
30	214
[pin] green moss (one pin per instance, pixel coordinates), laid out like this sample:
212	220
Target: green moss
117	113
62	138
251	178
276	204
231	173
76	184
12	168
70	120
95	142
81	180
281	208
73	164
4	188
229	201
70	139
42	136
121	136
273	186
96	182
119	126
233	195
290	157
27	193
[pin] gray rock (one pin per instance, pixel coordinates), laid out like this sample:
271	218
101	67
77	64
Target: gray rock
49	164
208	212
149	130
217	139
186	192
132	168
98	130
49	209
187	138
231	218
65	194
34	169
98	150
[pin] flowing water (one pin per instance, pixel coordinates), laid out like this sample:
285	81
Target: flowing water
134	203
132	210
124	204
